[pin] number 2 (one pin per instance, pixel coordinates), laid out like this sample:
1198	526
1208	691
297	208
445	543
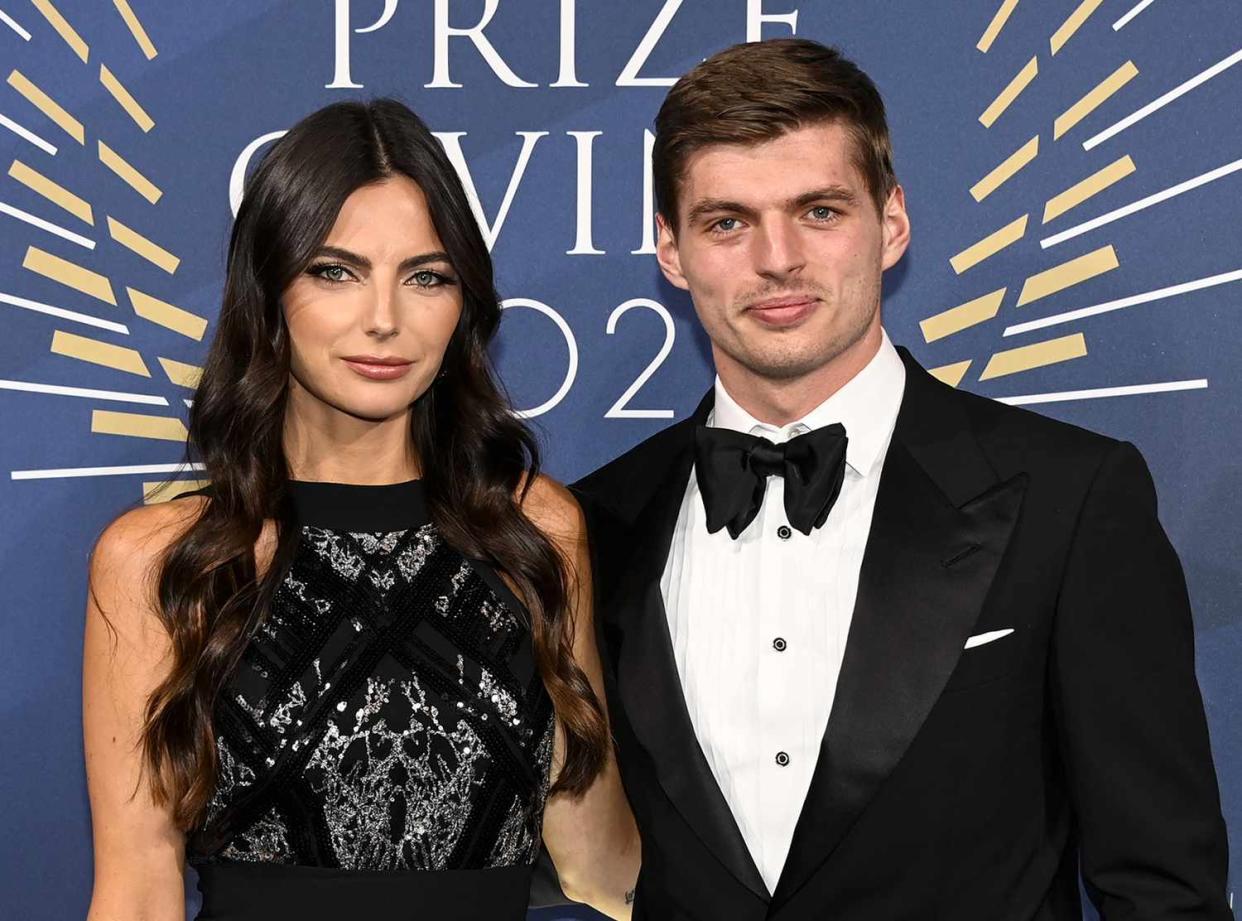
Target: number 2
619	409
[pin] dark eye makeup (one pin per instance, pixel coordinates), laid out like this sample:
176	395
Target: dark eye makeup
336	273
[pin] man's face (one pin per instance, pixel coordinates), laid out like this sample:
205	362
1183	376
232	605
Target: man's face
782	249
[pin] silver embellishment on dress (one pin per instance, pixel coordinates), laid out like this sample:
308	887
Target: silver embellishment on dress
377	824
498	616
497	695
397	786
265	840
328	545
411	559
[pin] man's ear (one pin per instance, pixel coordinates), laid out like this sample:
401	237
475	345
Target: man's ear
896	228
668	255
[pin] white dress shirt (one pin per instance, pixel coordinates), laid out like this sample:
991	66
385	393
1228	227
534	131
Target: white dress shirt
759	624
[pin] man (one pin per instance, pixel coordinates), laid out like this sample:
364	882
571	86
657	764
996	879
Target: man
877	649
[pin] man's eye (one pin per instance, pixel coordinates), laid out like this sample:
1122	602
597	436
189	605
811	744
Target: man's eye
822	213
725	224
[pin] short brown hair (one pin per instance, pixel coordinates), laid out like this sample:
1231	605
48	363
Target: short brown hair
755	92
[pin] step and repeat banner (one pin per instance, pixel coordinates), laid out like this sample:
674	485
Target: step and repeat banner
1072	171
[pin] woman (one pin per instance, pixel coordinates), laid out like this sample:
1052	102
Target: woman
357	674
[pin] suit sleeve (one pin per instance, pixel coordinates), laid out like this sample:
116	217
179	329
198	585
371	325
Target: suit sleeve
1129	714
545	885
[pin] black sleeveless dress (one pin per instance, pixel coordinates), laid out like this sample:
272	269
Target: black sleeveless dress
384	744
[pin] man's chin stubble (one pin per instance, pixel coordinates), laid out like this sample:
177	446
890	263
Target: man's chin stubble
784	368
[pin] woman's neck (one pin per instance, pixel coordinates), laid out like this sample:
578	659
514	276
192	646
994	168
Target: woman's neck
324	444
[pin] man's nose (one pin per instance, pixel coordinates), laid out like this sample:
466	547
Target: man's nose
777	249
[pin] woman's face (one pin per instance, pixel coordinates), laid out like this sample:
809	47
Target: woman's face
372	314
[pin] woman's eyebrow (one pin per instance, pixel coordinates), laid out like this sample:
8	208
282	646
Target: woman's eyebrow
362	262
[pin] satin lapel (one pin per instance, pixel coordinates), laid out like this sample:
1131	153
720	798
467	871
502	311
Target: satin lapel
941	525
647	680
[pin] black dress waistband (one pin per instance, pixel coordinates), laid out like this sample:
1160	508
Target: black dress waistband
265	891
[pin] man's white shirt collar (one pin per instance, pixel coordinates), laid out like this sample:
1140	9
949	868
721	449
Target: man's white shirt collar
867	406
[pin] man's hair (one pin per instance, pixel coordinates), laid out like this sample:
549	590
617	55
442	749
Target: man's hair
756	92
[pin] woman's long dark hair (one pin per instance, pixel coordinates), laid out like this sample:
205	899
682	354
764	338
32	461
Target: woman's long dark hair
476	458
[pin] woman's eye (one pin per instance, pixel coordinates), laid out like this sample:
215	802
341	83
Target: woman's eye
330	272
427	279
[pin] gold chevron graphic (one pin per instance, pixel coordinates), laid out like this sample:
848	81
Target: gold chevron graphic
956	319
54	192
134	179
1039	355
1068	274
136	29
990	245
125	98
48	106
994	27
63	29
1006	170
1073	24
1094	99
1079	192
182	374
117	357
951	374
167	315
138	425
94	282
163	490
1010	93
137	243
69	274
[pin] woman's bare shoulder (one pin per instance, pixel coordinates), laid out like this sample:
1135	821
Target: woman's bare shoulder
148	530
126	552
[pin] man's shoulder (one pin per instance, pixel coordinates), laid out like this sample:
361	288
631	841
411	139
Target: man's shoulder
625	483
1015	436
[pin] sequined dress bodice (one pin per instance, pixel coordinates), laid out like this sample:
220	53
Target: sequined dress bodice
387	715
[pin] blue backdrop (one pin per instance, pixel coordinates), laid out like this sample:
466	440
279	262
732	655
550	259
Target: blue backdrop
1086	147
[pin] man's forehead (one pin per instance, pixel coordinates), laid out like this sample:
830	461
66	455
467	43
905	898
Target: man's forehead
797	161
822	148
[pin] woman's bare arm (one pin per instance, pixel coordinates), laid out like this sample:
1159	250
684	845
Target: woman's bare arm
139	852
592	839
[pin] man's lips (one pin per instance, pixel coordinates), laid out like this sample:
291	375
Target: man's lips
783	311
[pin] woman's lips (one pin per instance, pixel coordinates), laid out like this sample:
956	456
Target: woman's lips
783	311
379	370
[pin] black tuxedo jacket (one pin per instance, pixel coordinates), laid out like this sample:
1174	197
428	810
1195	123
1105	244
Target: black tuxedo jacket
965	785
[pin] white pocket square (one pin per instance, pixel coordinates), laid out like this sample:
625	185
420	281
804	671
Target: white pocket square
980	639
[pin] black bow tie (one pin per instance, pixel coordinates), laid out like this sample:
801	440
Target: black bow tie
733	469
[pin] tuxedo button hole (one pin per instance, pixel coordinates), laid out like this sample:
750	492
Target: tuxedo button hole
784	532
782	758
779	644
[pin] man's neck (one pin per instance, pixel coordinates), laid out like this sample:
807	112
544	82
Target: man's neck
779	402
